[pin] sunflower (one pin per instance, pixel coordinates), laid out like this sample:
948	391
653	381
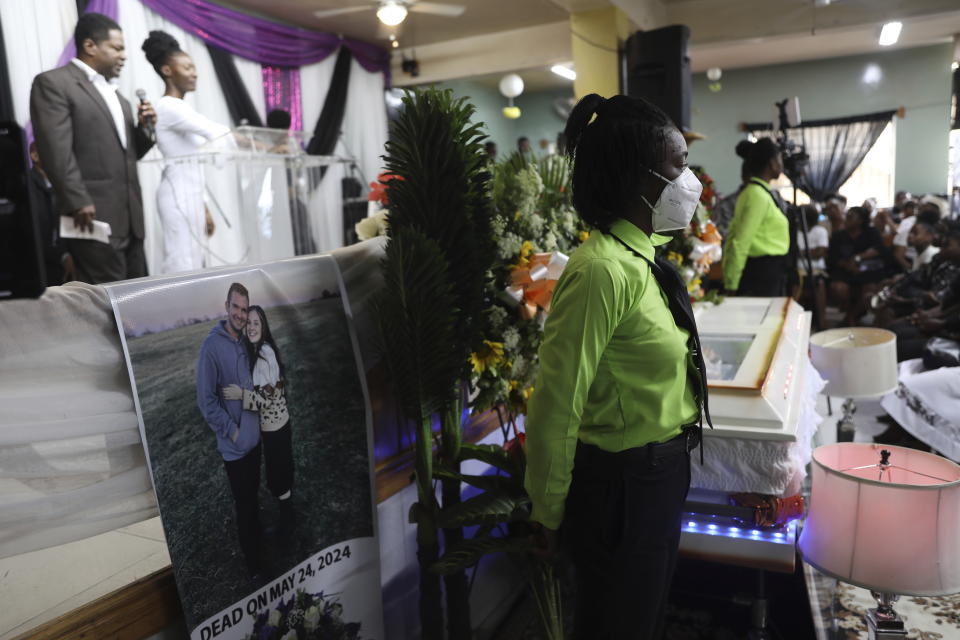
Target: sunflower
488	357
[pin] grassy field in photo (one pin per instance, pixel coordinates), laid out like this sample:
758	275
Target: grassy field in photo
331	476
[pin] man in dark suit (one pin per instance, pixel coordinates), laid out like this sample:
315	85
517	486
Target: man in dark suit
58	261
86	136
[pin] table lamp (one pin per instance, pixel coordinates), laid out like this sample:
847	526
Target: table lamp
856	362
887	519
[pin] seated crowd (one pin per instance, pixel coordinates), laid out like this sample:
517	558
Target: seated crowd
895	264
897	269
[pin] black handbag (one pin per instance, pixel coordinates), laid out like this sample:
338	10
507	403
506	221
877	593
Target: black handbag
941	352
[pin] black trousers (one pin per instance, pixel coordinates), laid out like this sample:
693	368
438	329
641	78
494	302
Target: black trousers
622	530
244	475
910	340
763	276
98	263
278	455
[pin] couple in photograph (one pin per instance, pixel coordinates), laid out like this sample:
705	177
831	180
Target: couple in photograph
241	392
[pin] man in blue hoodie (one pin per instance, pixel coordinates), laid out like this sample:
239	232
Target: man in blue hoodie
223	361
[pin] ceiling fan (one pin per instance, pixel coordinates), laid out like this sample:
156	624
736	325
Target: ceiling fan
393	12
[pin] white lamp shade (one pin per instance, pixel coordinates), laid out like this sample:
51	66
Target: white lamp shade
900	535
859	362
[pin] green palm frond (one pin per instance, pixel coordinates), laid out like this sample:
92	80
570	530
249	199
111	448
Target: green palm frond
438	152
486	508
516	161
416	323
555	173
469	552
493	455
486	483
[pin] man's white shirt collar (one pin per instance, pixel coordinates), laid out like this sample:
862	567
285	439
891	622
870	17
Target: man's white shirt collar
94	76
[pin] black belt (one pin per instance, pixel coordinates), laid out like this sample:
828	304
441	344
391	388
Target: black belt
685	442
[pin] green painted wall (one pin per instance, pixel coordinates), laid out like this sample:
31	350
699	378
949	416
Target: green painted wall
488	102
917	79
537	120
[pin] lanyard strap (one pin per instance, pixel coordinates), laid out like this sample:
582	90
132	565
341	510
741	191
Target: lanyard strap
678	301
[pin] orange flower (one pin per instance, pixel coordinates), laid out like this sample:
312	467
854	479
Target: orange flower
378	189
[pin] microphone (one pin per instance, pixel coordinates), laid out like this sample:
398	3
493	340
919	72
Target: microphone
148	126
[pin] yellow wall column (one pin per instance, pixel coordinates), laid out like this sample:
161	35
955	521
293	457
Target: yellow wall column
596	40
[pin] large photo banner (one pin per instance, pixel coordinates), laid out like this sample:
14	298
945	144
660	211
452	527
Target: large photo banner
254	421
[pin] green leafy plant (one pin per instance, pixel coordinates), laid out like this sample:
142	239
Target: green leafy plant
431	310
502	512
534	213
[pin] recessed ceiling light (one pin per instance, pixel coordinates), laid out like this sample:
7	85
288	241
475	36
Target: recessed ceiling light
564	72
391	13
890	33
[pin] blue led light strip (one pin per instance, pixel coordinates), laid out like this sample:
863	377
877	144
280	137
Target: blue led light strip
715	526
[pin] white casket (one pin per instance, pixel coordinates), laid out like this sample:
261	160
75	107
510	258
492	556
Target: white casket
756	352
762	401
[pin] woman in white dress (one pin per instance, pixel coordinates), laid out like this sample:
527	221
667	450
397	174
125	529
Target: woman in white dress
181	131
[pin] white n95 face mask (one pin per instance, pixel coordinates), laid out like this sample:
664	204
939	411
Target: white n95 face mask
677	203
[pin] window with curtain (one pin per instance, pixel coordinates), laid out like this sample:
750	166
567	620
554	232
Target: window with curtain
874	178
838	149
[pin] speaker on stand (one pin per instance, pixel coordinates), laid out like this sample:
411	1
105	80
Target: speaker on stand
655	66
22	269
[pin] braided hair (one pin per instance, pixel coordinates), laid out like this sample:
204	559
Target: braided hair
610	152
160	47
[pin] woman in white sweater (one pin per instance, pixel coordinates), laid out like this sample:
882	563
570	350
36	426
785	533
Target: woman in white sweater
269	398
181	131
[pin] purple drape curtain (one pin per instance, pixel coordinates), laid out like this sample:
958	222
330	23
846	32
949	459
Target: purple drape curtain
107	8
262	41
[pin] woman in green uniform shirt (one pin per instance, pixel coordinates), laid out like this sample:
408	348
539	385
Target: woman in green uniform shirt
754	255
618	397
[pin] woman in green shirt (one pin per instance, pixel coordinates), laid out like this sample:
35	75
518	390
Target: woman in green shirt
754	254
618	397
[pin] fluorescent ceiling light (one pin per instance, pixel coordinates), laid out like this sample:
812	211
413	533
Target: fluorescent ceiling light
890	33
564	72
391	13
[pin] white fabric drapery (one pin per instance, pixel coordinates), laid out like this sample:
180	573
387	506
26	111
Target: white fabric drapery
34	34
365	121
71	461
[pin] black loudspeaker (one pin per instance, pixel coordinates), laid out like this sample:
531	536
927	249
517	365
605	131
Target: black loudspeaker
22	273
656	67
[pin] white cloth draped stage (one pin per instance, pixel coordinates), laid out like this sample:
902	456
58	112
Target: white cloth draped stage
35	33
72	463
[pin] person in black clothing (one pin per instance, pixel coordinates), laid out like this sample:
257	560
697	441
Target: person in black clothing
57	260
943	318
856	262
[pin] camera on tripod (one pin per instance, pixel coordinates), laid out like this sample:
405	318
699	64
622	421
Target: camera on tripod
794	155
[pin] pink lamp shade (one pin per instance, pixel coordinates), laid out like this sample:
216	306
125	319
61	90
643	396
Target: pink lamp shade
895	532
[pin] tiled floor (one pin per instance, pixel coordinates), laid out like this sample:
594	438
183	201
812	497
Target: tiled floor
39	586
